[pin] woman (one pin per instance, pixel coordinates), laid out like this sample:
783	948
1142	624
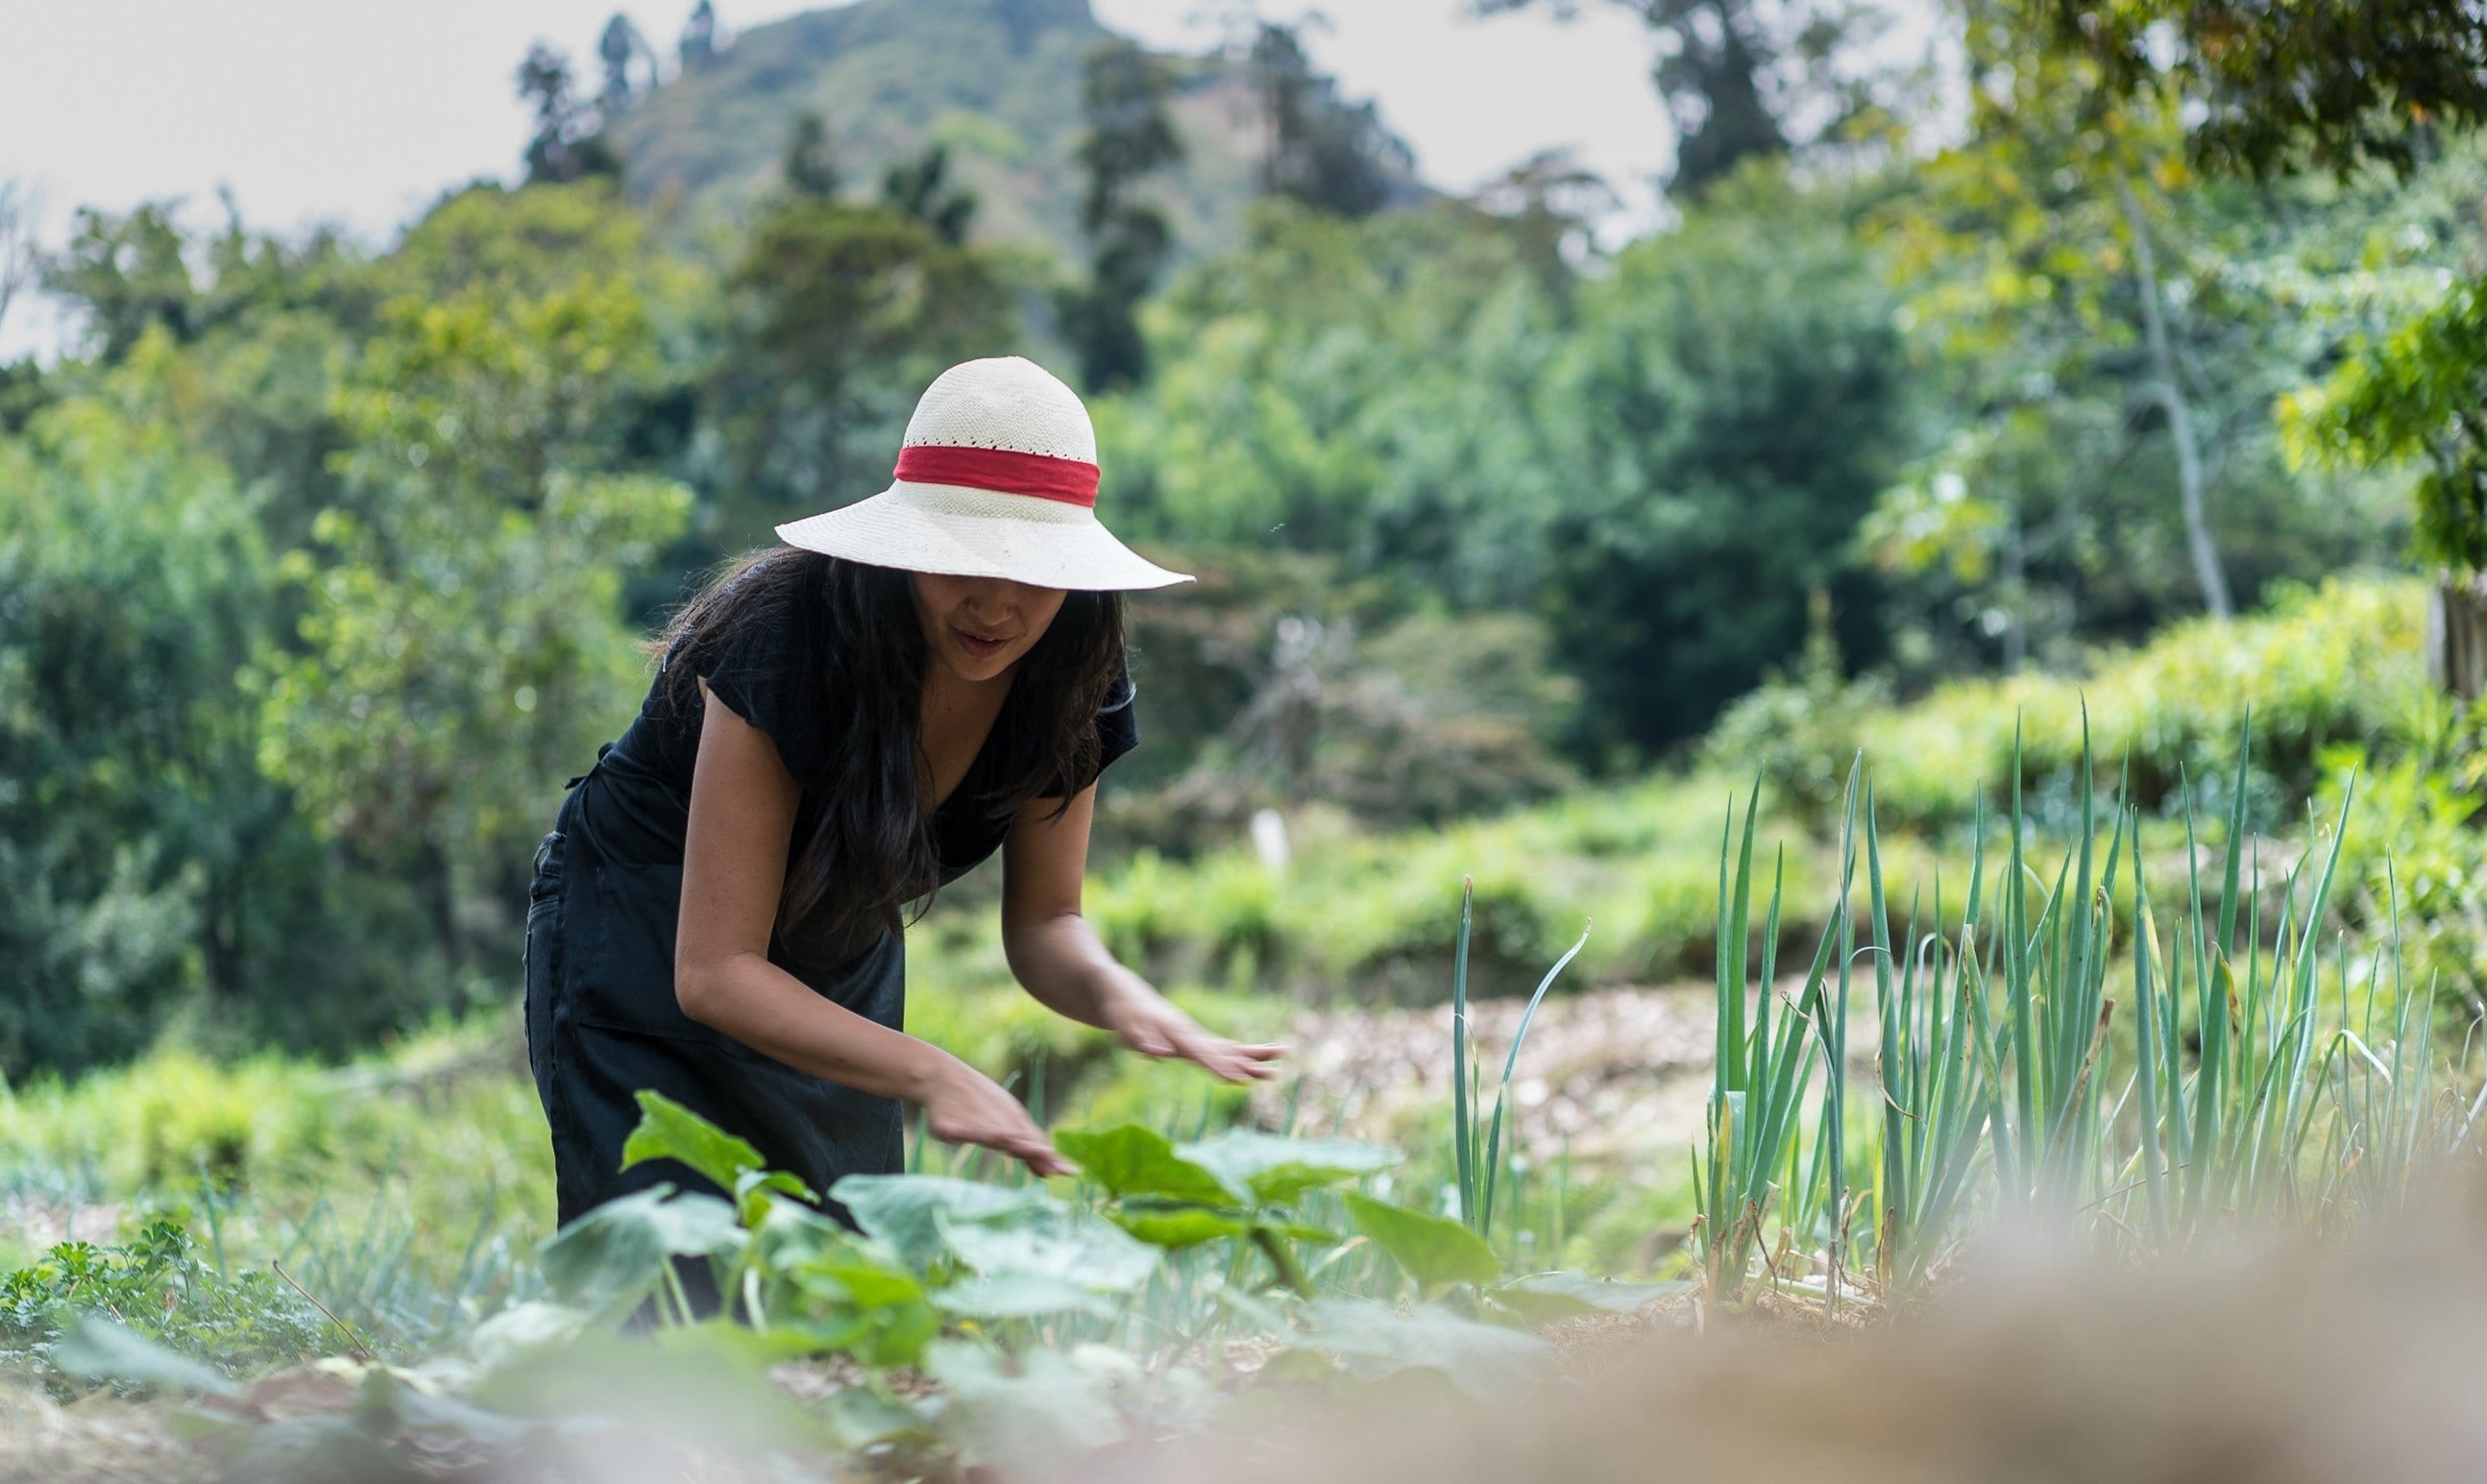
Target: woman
837	728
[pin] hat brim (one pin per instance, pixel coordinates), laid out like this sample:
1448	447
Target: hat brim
963	532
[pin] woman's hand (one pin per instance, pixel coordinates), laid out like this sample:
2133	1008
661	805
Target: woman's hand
964	1107
1058	955
1149	1025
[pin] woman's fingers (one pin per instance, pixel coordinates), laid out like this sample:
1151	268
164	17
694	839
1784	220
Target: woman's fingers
1025	1142
1042	1159
1192	1044
971	1109
1228	1059
1028	1142
1175	1035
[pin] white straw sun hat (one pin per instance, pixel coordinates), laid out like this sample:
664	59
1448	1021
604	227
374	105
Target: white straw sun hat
997	478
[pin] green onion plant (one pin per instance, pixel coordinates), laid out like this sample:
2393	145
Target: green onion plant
2032	1065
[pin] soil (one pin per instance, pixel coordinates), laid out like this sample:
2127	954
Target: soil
1616	1076
1612	1075
35	1223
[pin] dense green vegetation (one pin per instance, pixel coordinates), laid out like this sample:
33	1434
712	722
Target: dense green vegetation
1084	1316
1456	499
2083	470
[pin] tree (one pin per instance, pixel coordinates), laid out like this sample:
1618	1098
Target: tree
919	189
271	317
2326	84
1374	389
809	166
1660	462
132	828
19	261
1551	199
2334	85
1739	396
566	145
522	243
1130	137
839	316
701	43
1750	79
1320	151
618	47
462	643
22	383
2419	394
128	275
2032	242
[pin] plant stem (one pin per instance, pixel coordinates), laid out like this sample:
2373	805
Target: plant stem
1290	1272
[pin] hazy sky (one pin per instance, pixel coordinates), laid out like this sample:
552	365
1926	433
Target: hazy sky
362	111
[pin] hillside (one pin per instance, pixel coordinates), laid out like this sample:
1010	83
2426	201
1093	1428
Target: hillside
999	81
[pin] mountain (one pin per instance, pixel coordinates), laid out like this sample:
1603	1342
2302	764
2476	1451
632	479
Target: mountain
997	81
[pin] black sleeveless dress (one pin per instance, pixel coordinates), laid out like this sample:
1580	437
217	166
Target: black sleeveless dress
601	1015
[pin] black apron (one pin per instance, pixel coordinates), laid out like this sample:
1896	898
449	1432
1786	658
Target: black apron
602	1023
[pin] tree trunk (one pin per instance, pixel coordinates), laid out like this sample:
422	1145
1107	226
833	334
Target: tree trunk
2456	634
2180	416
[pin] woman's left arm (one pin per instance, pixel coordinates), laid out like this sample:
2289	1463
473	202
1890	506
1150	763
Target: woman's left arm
1060	959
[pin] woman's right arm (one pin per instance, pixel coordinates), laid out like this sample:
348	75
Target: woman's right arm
734	868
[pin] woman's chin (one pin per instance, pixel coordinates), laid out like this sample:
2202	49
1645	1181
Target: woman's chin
973	667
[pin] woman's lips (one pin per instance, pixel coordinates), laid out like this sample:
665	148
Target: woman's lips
979	647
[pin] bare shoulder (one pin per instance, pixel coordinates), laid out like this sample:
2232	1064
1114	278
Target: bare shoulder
733	849
736	759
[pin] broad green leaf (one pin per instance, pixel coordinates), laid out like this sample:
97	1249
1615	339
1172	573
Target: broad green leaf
1486	1362
613	1254
1044	1408
1053	1242
855	1300
753	1187
856	1278
1129	1160
524	1329
1275	1171
1019	1296
790	1233
1183	1227
669	1130
862	1417
906	1211
1542	1297
99	1349
1438	1251
704	1386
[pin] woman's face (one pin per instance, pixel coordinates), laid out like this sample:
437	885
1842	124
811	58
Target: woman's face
977	627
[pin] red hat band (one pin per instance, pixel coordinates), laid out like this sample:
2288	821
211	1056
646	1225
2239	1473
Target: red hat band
1071	481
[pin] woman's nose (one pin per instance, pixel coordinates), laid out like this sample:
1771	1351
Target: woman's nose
991	595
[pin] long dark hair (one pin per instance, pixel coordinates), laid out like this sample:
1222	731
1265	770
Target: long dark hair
869	851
